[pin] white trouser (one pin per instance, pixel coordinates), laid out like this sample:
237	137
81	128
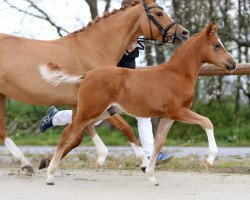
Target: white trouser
146	134
62	118
144	128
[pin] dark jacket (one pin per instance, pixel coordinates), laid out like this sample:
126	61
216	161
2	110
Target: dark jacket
128	61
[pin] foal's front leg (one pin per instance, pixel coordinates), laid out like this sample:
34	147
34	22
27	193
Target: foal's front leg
161	135
188	116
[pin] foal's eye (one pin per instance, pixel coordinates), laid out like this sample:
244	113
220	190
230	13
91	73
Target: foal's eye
159	14
217	45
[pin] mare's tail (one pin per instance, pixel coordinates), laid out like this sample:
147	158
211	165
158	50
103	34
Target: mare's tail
55	75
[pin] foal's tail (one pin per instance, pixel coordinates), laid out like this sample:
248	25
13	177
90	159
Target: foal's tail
55	75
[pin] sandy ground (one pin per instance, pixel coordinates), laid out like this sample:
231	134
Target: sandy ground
119	185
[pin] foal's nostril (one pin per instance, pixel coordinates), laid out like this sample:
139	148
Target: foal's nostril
233	63
232	66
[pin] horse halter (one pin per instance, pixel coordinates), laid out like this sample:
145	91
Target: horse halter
170	37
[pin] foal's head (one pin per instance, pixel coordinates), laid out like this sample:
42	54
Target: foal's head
213	50
157	25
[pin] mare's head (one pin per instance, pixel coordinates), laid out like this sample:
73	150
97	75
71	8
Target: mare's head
156	24
213	51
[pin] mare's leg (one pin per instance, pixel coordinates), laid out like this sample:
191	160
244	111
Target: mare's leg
124	127
160	138
126	130
188	116
14	150
100	146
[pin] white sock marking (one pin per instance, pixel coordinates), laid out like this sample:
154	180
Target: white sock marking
16	152
213	149
140	154
101	148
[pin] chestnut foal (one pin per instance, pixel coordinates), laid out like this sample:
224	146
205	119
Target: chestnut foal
166	91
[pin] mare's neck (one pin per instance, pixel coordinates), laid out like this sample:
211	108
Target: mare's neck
106	41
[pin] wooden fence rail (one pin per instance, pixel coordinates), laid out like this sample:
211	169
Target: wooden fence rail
210	70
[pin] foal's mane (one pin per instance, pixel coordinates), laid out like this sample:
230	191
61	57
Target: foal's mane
106	15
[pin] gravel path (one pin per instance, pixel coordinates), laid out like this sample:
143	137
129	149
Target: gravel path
243	152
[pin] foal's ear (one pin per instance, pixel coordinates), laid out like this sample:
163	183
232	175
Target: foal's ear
211	28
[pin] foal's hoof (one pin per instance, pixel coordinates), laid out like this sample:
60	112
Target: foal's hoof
44	163
151	177
98	166
28	169
208	165
50	181
143	169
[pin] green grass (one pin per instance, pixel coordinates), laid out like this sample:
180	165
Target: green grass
230	130
190	163
51	137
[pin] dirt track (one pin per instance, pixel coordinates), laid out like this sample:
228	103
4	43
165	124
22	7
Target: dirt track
109	185
119	184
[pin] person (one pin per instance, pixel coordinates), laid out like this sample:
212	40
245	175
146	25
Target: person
54	117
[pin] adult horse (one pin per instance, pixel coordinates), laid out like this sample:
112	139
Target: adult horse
101	43
172	84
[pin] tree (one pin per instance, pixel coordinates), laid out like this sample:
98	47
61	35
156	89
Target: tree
93	7
42	14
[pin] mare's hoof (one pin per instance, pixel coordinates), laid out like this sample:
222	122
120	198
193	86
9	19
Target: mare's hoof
44	163
28	169
208	165
157	184
143	169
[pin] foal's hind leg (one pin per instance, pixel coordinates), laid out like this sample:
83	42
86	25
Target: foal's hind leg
75	143
101	148
186	115
88	110
14	150
68	135
126	130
